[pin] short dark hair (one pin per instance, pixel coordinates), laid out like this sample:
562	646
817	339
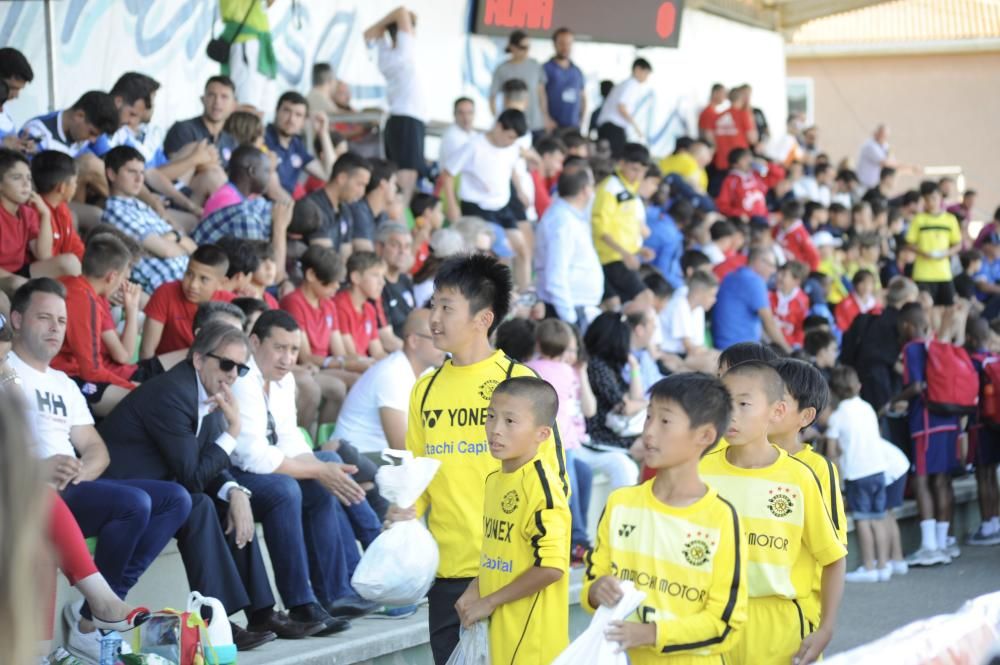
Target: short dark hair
348	163
560	32
635	153
683	143
212	256
99	109
516	338
642	63
817	340
837	208
103	254
606	87
717	86
513	120
658	284
910	197
722	229
51	168
553	337
271	319
547	145
215	335
542	396
804	383
571	184
13	64
514	87
292	97
22	297
928	187
771	382
735	155
861	275
462	100
966	257
121	155
482	280
703	398
243	258
361	261
324	262
243	159
221	79
792	209
8	158
306	217
743	352
422	202
694	259
250	306
886	172
322	73
608	337
844	382
212	309
133	86
382	170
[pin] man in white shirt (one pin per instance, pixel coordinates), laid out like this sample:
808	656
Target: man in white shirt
618	111
374	414
874	155
297	494
569	279
682	322
397	60
458	134
133	519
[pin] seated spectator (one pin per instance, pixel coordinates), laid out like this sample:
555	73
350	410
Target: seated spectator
363	327
458	134
736	258
167	250
428	217
743	309
789	302
375	412
133	520
394	245
218	102
793	236
651	361
860	301
831	264
568	277
726	241
743	194
53	174
339	145
368	212
348	181
546	175
208	312
682	322
252	308
16	72
666	240
688	160
244	260
266	274
516	338
443	243
172	307
284	140
26	228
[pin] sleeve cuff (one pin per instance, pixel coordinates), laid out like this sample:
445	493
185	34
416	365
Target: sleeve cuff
227	443
224	490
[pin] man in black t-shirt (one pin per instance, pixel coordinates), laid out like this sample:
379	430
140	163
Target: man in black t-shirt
370	210
394	244
347	184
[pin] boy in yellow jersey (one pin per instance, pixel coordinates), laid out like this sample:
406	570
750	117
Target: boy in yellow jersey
523	581
935	236
674	537
447	421
806	395
781	507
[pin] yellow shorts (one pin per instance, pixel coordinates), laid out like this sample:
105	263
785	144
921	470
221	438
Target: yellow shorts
773	632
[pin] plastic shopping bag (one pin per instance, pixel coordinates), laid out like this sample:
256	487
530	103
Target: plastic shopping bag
592	647
473	646
399	566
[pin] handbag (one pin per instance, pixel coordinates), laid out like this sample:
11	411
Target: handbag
218	49
627	427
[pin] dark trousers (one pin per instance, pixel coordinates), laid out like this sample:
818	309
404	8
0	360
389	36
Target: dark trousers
133	521
615	137
442	619
365	524
215	566
366	474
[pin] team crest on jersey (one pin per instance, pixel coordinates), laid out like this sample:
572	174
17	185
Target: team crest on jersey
486	389
698	548
781	501
431	417
509	502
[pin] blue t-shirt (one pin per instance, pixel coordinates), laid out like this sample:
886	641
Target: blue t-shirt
48	134
734	318
667	241
564	91
920	418
990	272
291	159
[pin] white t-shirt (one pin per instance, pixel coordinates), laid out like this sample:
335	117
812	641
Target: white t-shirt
627	94
402	76
680	321
855	427
870	161
453	138
485	170
896	463
386	384
55	406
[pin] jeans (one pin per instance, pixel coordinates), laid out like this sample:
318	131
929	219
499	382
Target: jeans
133	521
580	479
365	523
615	464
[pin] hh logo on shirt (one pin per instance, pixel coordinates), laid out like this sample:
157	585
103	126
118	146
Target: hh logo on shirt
698	548
781	501
54	404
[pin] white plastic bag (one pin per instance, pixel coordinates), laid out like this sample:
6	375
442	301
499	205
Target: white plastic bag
399	566
473	646
592	647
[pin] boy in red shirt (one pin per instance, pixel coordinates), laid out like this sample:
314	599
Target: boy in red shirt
793	237
54	175
790	303
743	194
734	127
356	309
172	306
552	152
860	301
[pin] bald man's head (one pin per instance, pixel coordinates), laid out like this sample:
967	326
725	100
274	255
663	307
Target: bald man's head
417	323
418	345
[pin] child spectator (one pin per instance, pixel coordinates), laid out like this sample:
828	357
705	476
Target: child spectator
789	302
266	274
736	258
743	195
984	441
934	442
688	413
526	531
243	263
557	363
831	264
516	338
793	514
363	327
743	352
694	260
860	301
172	307
821	347
897	468
54	176
853	438
552	153
793	237
682	322
839	221
428	217
725	242
252	308
972	264
936	237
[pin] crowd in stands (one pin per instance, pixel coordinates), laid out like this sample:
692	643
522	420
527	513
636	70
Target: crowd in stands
224	323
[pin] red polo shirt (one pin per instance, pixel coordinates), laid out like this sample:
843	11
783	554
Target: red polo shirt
65	239
362	325
16	231
318	322
169	306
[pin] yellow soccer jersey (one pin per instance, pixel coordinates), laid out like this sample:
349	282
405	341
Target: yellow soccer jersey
782	511
933	234
447	421
690	561
616	213
526	523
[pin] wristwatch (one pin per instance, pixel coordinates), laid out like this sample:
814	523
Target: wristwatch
240	488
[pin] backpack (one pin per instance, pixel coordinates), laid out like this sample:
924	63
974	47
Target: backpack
952	379
989	399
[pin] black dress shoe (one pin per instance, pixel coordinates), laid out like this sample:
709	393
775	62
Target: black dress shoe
286	628
250	639
314	612
351	607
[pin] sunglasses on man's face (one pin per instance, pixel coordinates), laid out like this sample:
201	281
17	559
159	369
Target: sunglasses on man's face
227	365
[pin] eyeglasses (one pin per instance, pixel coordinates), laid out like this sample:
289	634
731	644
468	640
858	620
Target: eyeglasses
227	365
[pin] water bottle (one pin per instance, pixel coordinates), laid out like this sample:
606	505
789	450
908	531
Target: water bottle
111	647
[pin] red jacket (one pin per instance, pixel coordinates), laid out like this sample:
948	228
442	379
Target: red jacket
849	308
742	194
790	314
797	242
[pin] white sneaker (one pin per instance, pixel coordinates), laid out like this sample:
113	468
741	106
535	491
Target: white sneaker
927	557
85	646
862	574
952	550
885	574
899	567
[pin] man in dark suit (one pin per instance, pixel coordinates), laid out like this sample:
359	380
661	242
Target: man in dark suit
182	426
